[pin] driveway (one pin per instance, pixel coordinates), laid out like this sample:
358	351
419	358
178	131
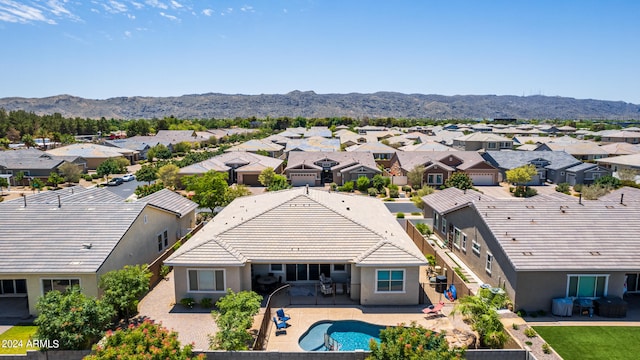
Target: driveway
192	325
126	189
403	207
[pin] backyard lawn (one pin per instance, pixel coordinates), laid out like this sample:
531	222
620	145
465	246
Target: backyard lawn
592	342
14	340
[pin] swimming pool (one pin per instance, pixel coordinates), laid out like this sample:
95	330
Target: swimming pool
349	334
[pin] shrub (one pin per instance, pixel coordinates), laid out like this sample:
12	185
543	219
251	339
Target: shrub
424	229
206	303
95	176
416	213
577	187
546	348
459	272
431	259
400	215
333	186
542	313
393	187
528	343
372	192
123	288
347	187
177	245
521	312
530	333
87	177
563	188
187	302
164	271
412	342
394	193
363	183
406	188
515	326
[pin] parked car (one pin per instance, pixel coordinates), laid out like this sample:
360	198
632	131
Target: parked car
115	182
128	177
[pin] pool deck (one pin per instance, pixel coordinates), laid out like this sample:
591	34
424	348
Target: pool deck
303	317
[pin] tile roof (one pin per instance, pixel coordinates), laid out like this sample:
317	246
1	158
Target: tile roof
26	159
170	201
632	160
621	148
410	159
445	200
315	143
222	163
625	194
427	146
483	137
256	145
269	227
298	158
89	151
513	159
373	147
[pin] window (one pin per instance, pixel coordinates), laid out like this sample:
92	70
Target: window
58	284
391	280
209	280
275	267
589	286
435	179
491	145
306	272
456	237
444	226
339	267
163	241
489	261
435	220
11	286
464	243
476	247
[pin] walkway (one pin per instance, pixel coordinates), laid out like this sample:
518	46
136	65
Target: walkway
192	325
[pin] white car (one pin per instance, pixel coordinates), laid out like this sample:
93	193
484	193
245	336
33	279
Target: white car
128	177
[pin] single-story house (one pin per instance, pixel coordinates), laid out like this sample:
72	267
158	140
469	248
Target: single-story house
621	162
255	146
427	146
319	168
381	153
34	163
352	239
55	239
94	154
440	165
584	151
482	141
243	167
132	144
543	249
551	165
631	137
314	143
585	173
620	148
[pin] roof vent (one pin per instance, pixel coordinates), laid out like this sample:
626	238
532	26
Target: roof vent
594	253
87	245
527	253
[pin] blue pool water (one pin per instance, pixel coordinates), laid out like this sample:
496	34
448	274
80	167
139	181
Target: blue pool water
349	334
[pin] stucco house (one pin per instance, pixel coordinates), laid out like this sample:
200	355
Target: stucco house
439	165
94	154
551	165
256	145
34	163
55	239
482	141
352	239
319	168
542	249
242	167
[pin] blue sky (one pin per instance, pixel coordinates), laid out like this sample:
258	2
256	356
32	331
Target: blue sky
107	48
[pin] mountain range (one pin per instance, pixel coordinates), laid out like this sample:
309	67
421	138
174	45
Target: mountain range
308	104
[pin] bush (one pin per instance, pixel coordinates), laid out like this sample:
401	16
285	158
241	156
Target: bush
577	187
393	187
206	303
406	188
372	192
164	271
563	188
123	288
546	348
95	176
521	312
431	259
363	183
400	215
515	326
87	177
424	229
187	302
528	343
530	333
333	186
394	193
347	187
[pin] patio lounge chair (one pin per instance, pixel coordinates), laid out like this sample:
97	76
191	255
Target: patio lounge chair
324	279
433	309
280	325
282	316
326	288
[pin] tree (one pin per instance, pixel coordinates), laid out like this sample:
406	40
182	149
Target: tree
363	183
168	174
417	198
159	151
123	288
459	180
234	316
480	311
28	141
144	190
237	191
412	342
4	183
609	181
147	340
520	176
415	175
55	179
37	184
72	318
147	173
182	147
210	189
279	182
379	182
108	167
266	176
70	172
19	177
5	142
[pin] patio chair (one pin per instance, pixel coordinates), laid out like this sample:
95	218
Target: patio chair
434	309
280	325
282	316
326	288
324	279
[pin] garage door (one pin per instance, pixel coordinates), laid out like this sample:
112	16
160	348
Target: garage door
302	179
250	179
482	179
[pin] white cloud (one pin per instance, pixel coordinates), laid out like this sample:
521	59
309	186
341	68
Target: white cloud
285	11
175	4
117	6
132	17
127	34
137	5
170	17
157	4
247	8
12	11
207	12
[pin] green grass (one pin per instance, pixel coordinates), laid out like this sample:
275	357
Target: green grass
17	335
592	342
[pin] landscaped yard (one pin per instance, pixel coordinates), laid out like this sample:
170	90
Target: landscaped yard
592	342
14	340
